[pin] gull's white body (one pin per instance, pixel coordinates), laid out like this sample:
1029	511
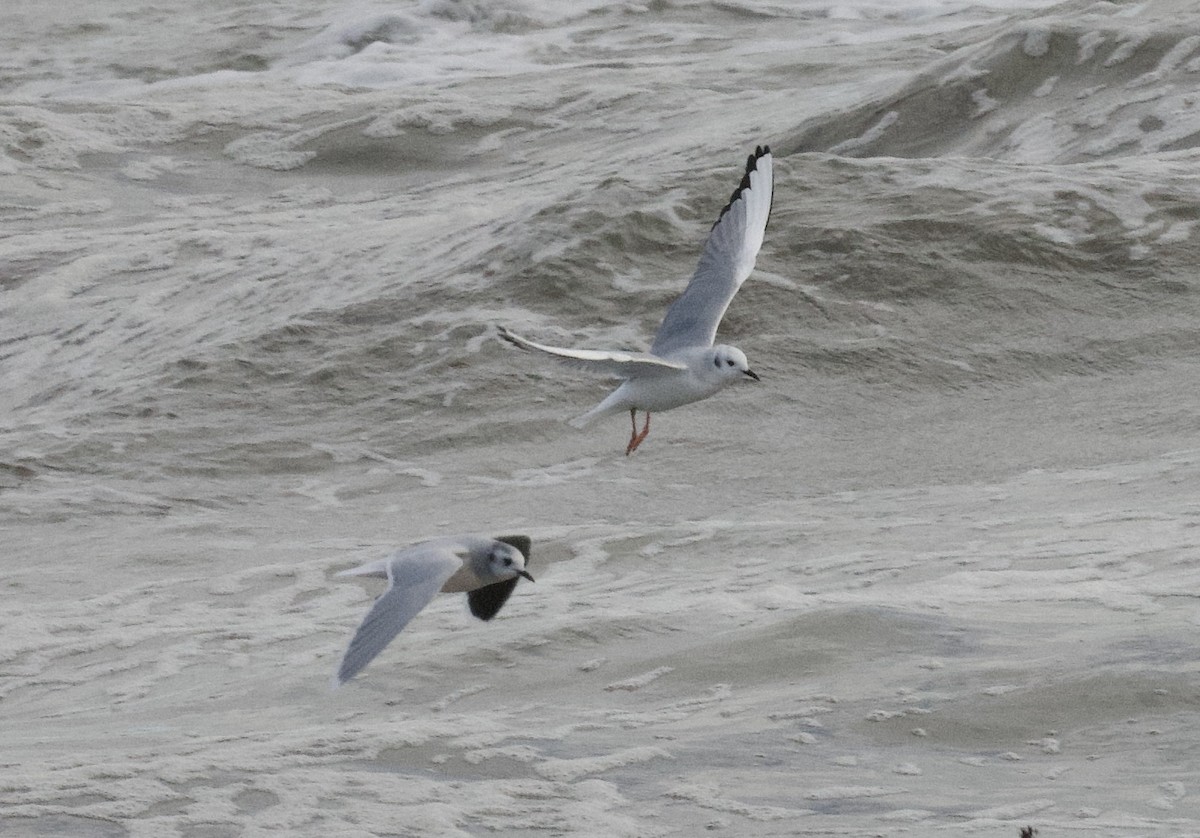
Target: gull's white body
486	568
696	377
683	365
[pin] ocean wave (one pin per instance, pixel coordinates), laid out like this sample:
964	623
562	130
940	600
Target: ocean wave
1061	87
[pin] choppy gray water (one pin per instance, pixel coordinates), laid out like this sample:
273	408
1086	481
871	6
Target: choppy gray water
937	573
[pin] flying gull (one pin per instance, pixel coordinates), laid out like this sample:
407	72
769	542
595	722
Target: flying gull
683	365
486	569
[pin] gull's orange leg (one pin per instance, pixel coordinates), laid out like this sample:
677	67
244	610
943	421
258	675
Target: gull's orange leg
636	439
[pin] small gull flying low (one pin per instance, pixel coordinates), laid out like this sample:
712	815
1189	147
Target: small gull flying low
486	569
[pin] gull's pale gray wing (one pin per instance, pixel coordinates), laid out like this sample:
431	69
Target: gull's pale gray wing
487	601
728	258
415	575
618	363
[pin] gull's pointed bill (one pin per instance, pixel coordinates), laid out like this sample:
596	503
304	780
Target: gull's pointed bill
683	365
486	569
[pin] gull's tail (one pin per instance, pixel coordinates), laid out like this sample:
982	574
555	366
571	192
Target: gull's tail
585	419
612	404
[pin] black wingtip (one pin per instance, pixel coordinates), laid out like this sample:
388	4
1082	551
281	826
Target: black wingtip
760	152
487	601
508	336
522	542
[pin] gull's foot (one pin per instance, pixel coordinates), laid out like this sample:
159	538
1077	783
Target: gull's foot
636	439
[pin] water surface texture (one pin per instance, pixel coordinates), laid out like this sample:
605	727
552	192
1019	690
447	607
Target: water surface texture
937	575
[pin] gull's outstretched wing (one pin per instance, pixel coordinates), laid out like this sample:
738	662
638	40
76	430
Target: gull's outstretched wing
416	575
487	601
618	363
727	260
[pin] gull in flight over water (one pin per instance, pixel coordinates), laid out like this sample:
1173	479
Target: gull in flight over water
683	365
486	569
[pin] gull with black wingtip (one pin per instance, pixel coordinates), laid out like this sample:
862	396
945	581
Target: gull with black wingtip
683	365
487	569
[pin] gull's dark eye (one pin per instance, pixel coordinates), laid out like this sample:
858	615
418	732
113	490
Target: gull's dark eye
729	363
507	562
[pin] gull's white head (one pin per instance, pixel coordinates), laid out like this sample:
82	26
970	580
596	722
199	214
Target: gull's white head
506	561
731	364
